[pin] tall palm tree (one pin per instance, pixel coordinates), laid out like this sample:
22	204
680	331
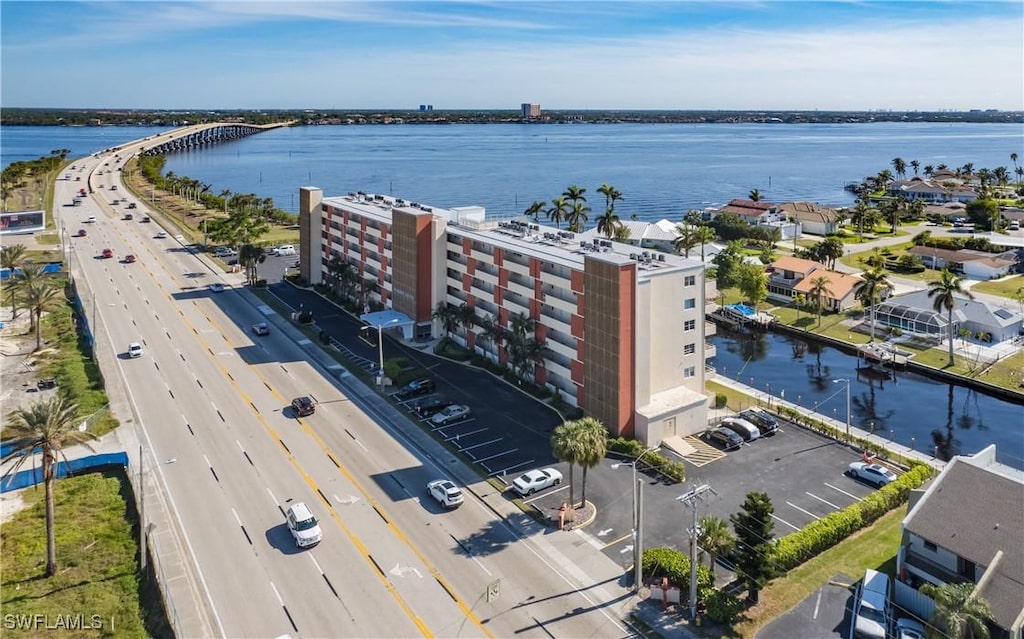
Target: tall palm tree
819	291
594	438
870	290
558	211
945	290
715	539
611	195
899	166
42	295
250	257
567	446
467	318
914	164
754	196
577	216
686	238
574	194
11	258
958	614
606	223
534	210
448	316
705	235
45	427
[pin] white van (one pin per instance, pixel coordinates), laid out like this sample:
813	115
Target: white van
741	427
283	250
871	612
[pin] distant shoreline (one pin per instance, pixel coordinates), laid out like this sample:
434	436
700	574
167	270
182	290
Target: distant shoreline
356	117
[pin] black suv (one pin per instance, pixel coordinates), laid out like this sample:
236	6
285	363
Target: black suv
430	406
303	406
765	421
416	388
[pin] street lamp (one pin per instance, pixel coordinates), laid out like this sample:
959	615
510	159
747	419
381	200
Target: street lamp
836	381
637	519
380	347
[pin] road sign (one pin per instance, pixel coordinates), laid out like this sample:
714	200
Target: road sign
493	590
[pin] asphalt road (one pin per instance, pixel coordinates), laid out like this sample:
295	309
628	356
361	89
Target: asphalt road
210	402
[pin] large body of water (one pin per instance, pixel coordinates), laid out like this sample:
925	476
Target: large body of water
663	171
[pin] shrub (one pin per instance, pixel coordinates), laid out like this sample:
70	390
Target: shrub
675	566
720	400
720	606
632	448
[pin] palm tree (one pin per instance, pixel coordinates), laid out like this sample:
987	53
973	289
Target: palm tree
715	539
944	290
577	217
448	316
686	238
45	427
754	195
534	210
958	614
250	257
567	446
705	235
607	223
819	291
559	210
870	290
899	166
594	438
621	233
11	258
41	295
914	164
574	194
611	194
467	318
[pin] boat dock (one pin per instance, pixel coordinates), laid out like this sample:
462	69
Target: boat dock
735	315
885	354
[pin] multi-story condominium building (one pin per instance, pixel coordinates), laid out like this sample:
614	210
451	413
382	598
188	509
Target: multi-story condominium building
623	332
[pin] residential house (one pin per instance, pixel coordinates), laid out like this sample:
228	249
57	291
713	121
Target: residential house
967	527
977	265
915	312
930	190
649	235
751	212
791	276
813	218
841	288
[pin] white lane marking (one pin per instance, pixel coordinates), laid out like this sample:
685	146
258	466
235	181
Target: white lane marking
239	445
822	500
274	499
365	449
816	604
316	564
207	461
843	491
237	518
806	512
482	566
214	407
785	522
277	594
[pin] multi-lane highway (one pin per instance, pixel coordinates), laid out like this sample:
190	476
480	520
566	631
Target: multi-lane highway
209	402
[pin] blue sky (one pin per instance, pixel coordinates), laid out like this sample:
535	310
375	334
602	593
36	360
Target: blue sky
919	55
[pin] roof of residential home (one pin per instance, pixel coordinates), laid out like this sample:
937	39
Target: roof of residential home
973	509
965	309
839	284
809	212
796	264
746	208
662	230
947	254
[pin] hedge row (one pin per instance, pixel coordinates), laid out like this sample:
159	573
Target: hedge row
820	535
675	566
675	470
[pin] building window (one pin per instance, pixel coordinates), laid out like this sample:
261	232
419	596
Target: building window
689	349
690	303
689	325
930	546
690	280
690	371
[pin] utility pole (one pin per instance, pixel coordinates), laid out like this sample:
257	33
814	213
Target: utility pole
690	498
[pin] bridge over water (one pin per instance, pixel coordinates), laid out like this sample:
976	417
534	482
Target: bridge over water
201	135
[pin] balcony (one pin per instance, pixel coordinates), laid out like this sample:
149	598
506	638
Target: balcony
516	305
483	275
710	329
559	303
525	290
710	350
480	256
568	352
516	267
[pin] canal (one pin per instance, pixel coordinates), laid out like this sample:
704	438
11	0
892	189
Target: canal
909	408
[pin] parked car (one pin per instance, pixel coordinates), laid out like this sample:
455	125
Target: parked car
129	259
415	388
872	473
724	437
871	610
907	628
741	427
107	254
134	350
303	525
765	421
261	328
451	414
430	406
284	249
303	406
224	251
446	493
534	480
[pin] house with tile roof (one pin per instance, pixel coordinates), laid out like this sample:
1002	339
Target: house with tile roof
930	191
790	276
967	527
977	265
813	218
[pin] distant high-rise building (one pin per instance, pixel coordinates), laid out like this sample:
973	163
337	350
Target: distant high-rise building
426	107
423	107
530	110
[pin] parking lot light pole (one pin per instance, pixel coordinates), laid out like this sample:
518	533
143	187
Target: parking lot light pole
637	519
380	348
847	381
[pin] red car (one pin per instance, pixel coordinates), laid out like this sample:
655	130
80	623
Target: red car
107	253
81	233
129	259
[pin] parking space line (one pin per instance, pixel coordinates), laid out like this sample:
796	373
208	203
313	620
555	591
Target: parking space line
545	494
843	491
493	441
822	500
785	522
472	432
505	470
806	512
479	461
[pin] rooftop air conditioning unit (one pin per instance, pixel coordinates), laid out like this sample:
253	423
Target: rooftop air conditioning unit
661	258
632	256
583	244
597	242
646	254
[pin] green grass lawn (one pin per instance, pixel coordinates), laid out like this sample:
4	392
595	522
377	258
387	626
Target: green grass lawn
874	547
1007	287
97	562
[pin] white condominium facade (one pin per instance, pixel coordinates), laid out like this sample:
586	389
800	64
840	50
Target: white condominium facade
623	329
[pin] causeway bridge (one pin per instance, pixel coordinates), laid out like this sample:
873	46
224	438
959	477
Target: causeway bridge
201	135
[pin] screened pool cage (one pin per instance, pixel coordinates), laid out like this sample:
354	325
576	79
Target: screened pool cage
911	320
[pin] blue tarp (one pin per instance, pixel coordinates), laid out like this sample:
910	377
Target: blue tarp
93	463
49	268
